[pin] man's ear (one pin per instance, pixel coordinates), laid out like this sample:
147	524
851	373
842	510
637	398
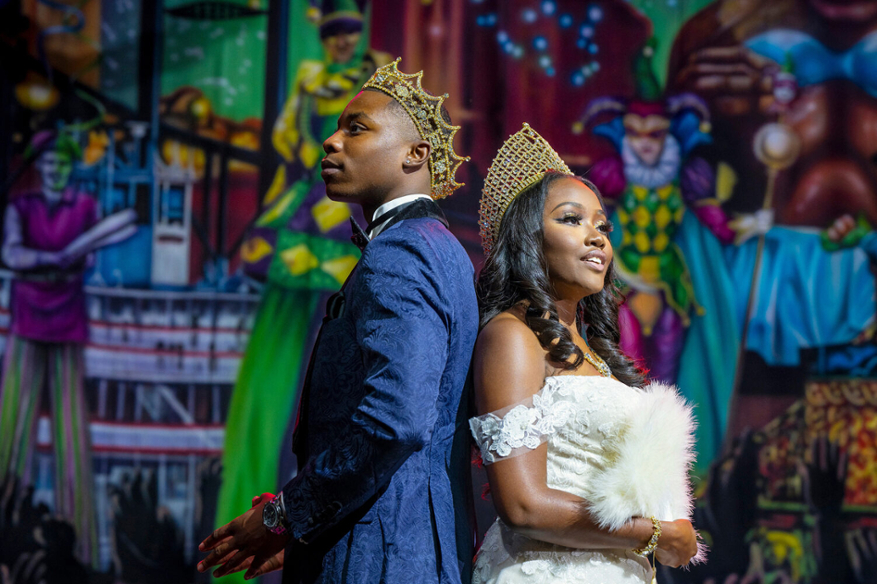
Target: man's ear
417	155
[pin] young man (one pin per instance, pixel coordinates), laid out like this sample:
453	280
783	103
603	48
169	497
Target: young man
381	427
300	247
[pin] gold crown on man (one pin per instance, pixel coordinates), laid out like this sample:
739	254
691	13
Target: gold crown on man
426	113
522	161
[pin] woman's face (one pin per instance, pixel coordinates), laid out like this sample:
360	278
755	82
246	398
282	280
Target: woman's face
576	239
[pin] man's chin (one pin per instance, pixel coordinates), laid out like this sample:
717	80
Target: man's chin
339	195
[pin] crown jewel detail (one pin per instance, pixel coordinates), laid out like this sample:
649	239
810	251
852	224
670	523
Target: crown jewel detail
426	113
522	161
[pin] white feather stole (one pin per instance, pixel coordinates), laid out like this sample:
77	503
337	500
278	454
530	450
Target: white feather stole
646	468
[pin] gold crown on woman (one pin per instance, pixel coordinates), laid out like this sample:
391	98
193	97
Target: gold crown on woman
426	113
522	161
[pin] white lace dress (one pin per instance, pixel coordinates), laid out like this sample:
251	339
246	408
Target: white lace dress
589	423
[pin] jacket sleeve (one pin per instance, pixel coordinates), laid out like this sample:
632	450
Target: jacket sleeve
402	333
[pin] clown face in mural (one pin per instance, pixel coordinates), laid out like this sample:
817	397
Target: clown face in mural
54	167
652	180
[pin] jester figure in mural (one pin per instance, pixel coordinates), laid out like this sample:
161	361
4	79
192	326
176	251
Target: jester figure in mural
48	332
652	180
300	247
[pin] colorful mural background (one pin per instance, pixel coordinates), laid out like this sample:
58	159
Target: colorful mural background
167	249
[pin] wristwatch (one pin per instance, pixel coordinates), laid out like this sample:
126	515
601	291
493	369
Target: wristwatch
273	517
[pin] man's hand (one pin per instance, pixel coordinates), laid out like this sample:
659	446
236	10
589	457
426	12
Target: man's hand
244	544
265	565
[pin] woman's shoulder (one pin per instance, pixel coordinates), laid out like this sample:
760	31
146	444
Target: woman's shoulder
508	351
509	328
509	362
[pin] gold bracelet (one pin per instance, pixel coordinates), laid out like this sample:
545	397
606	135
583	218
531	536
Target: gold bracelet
653	542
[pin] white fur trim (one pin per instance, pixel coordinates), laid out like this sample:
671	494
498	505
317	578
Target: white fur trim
646	469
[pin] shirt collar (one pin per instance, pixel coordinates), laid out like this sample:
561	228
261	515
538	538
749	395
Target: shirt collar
389	206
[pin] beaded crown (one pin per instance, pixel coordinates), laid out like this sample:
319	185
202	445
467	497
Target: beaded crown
522	161
426	113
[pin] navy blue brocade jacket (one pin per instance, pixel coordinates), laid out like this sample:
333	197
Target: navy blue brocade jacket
383	489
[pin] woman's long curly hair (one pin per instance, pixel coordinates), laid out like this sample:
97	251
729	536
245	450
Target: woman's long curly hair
516	271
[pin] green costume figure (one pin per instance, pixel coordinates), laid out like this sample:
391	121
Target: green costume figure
300	246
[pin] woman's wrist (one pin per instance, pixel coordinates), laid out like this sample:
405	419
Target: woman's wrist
652	543
672	534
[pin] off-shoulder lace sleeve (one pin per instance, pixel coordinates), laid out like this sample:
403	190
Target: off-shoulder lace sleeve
520	427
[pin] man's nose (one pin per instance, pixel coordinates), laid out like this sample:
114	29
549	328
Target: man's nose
332	143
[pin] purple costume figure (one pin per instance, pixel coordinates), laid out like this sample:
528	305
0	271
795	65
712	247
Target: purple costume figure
48	334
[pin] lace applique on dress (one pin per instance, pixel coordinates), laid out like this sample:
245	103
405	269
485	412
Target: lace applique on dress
521	427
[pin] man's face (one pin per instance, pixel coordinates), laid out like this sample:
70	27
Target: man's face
54	169
341	47
646	136
365	156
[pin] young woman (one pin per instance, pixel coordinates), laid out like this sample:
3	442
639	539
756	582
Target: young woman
587	467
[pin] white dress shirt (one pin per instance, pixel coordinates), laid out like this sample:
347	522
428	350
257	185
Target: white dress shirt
390	205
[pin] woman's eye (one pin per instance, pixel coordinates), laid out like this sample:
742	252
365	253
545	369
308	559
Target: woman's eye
572	219
605	227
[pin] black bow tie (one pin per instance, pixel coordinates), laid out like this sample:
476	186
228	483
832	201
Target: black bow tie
359	237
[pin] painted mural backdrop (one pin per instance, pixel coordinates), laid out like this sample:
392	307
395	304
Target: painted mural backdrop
167	248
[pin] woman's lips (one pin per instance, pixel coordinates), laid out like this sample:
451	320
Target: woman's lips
595	260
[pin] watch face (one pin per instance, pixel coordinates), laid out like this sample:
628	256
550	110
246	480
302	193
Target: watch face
269	515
